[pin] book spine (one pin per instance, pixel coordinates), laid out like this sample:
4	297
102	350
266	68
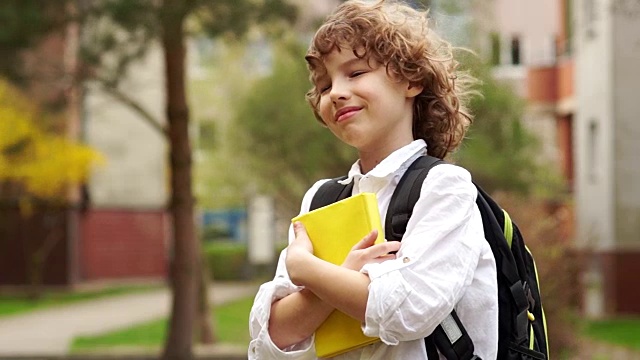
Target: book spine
371	209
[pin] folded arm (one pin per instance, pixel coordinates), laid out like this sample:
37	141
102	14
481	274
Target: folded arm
296	317
327	287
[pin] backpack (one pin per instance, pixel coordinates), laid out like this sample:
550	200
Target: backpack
522	329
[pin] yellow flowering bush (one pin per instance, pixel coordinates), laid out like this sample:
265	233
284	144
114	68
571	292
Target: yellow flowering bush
44	164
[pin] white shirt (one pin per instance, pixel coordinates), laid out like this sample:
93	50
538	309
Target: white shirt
443	263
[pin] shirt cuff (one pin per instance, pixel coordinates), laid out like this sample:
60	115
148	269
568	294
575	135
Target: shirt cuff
262	347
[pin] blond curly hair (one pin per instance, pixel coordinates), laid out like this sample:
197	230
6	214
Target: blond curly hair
398	36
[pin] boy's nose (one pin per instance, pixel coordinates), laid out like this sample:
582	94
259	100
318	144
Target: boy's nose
339	91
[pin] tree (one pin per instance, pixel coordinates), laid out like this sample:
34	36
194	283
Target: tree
172	21
500	152
214	112
117	33
24	23
497	143
293	148
37	166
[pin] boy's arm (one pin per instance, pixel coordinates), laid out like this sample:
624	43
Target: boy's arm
296	317
327	287
342	287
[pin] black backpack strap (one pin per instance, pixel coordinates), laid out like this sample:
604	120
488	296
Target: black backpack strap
330	192
406	195
451	339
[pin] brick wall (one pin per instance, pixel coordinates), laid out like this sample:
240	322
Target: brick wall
116	244
622	295
21	236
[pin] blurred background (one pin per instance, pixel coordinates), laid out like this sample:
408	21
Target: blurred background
153	152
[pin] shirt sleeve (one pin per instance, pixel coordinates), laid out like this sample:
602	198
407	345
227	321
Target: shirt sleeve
261	345
410	295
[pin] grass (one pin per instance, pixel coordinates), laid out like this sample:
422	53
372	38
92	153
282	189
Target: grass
231	321
232	327
12	305
624	332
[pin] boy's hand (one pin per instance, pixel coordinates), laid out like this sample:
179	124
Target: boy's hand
297	252
302	241
366	252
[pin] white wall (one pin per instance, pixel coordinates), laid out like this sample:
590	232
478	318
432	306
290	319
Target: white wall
541	120
626	105
594	137
136	173
594	148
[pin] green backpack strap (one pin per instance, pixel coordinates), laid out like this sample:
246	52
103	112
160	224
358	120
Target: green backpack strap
508	228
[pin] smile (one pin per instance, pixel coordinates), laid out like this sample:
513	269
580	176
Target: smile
346	113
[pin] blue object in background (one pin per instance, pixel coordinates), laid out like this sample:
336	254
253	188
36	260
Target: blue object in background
230	221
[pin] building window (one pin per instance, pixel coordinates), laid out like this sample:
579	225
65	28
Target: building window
590	17
565	142
495	48
567	45
593	151
515	50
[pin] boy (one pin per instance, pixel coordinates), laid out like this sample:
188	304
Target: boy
387	85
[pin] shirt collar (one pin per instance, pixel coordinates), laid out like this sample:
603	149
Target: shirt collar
398	159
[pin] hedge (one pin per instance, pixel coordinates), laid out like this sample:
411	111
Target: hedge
228	261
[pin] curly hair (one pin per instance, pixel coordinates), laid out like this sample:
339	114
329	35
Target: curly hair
398	36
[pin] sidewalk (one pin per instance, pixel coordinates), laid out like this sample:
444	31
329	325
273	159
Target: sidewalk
50	331
591	350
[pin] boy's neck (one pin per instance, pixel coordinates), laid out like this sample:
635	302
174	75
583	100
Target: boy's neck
371	159
368	165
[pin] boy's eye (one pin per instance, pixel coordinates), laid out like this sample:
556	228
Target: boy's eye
325	88
356	73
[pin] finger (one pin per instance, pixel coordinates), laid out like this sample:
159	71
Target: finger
366	241
301	239
299	230
381	259
383	249
385	258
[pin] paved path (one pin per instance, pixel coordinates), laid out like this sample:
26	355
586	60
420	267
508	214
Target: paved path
51	331
591	350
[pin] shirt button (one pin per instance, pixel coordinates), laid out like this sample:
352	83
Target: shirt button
406	260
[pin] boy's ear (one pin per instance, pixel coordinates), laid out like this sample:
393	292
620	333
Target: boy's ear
414	90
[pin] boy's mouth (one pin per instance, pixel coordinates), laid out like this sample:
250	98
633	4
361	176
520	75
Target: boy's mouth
346	112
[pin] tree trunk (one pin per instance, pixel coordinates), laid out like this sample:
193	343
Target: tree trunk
206	329
38	256
186	249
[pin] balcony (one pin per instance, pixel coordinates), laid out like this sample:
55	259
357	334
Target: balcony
550	84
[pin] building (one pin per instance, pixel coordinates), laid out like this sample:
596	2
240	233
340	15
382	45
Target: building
574	64
607	176
528	44
125	230
117	226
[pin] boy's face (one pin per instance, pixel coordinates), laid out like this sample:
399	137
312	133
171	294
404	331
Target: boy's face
362	105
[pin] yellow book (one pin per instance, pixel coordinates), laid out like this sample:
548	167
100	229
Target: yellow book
333	230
